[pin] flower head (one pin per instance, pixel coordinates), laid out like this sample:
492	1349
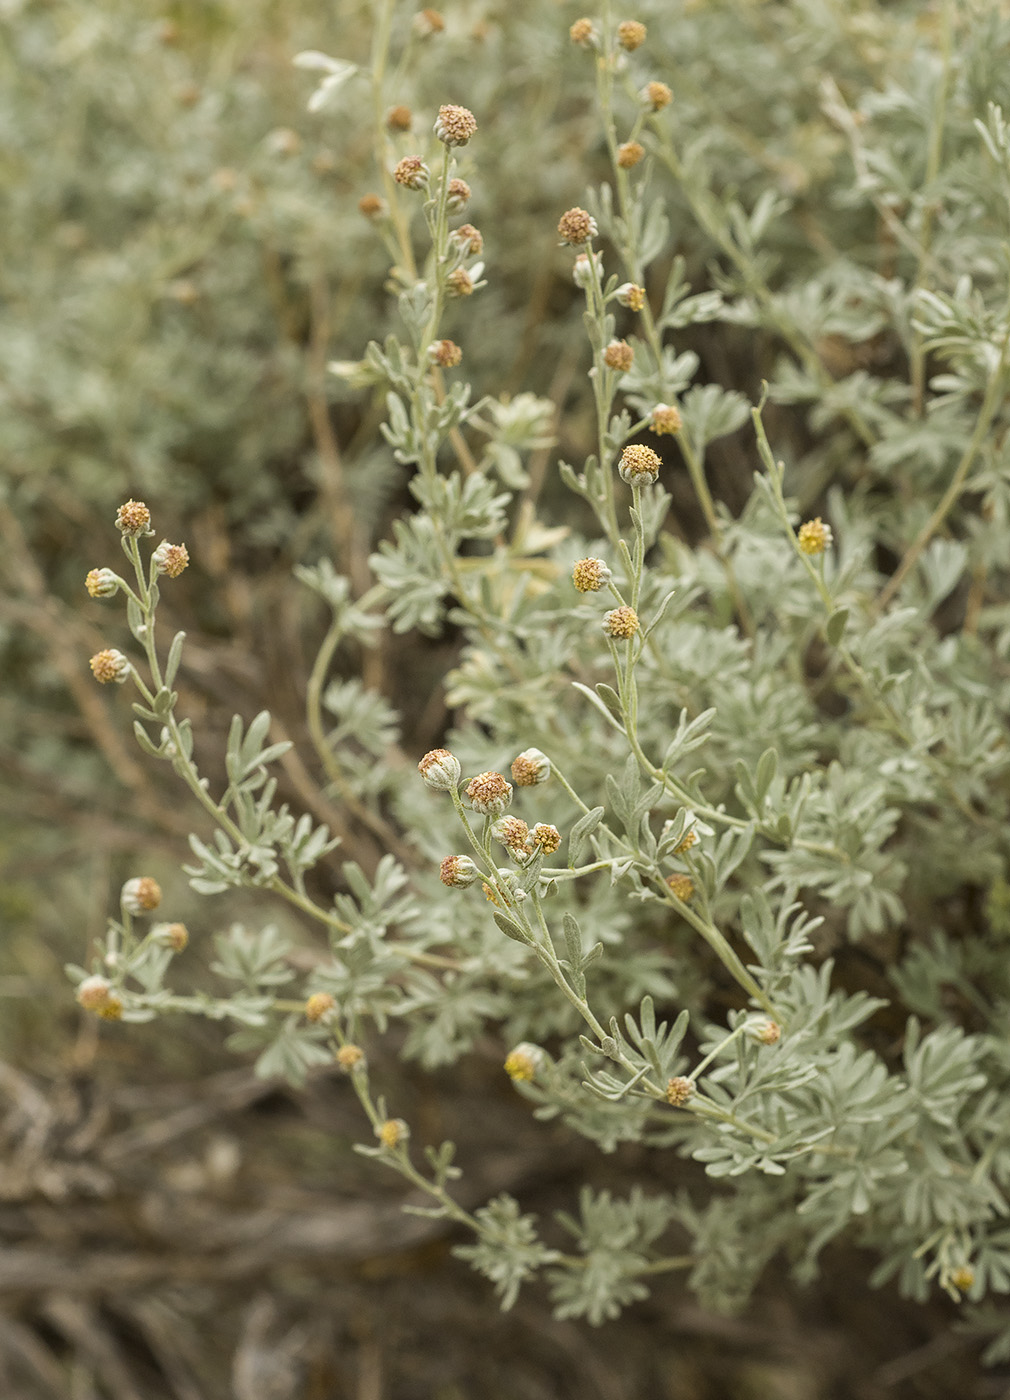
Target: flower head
621	623
679	1090
665	419
318	1006
962	1277
547	837
815	537
458	196
455	125
428	22
458	872
392	1132
170	559
522	1063
576	227
459	283
656	96
140	895
514	835
619	356
530	767
109	665
371	205
440	770
412	173
629	154
583	269
444	353
584	33
631	34
467	239
681	886
350	1057
639	465
102	583
174	936
631	295
133	518
764	1030
489	794
93	993
590	575
399	118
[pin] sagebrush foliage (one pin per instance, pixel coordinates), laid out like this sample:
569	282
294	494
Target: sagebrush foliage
807	727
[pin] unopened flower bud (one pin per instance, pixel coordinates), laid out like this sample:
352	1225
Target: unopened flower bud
530	767
576	227
582	269
815	537
140	895
458	196
764	1030
523	1063
458	872
174	936
467	239
102	583
412	173
170	559
489	794
679	1090
454	125
440	770
590	575
109	665
134	518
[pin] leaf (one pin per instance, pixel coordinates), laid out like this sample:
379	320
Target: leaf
581	832
835	626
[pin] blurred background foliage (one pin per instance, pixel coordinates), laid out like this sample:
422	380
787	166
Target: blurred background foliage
181	254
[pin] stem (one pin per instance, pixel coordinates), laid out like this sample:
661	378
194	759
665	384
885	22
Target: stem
991	404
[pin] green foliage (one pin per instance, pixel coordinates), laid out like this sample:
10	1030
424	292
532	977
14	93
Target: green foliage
795	745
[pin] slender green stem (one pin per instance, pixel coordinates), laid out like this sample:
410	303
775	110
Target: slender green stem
995	395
